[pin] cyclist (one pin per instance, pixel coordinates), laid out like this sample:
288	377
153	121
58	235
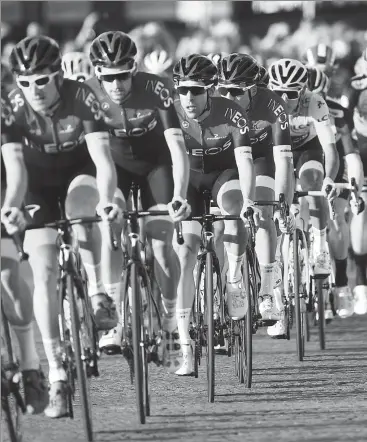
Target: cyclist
218	146
77	66
16	297
313	143
358	104
321	56
271	143
148	148
318	82
52	115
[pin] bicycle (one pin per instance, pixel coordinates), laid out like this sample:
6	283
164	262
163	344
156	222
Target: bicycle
78	331
12	403
141	343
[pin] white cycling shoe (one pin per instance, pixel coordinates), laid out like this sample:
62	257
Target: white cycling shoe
278	330
345	302
110	342
360	299
268	309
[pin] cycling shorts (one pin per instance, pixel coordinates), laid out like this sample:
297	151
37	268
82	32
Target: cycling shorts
310	151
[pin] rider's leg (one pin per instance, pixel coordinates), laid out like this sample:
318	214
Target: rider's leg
359	239
266	237
228	194
42	249
310	172
81	200
17	304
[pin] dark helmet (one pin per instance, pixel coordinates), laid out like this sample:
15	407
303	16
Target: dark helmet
195	67
263	76
238	69
32	54
111	49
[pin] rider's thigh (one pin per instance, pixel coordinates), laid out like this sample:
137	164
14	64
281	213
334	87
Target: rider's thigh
310	165
265	184
227	192
82	197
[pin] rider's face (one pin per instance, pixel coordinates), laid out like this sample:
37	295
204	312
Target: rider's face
193	98
117	82
290	97
40	90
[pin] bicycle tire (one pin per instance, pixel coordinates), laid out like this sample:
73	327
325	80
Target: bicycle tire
80	364
297	299
321	312
240	354
7	415
138	349
209	294
247	326
198	320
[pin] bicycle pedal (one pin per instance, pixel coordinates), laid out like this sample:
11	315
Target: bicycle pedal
266	322
279	337
320	276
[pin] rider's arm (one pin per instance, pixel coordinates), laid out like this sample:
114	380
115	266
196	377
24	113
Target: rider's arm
283	157
98	144
176	144
324	129
16	174
245	163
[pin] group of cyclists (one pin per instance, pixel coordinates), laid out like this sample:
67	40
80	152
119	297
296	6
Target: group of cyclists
75	126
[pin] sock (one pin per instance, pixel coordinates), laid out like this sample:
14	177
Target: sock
319	239
266	271
234	267
52	350
95	284
183	324
169	319
278	252
361	269
341	278
113	291
29	359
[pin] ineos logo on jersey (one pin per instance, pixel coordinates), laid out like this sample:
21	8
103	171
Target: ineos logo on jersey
163	93
237	118
260	138
210	151
91	101
135	131
52	148
279	112
6	113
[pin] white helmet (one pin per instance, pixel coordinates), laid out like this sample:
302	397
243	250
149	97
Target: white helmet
77	66
157	62
360	68
318	81
287	73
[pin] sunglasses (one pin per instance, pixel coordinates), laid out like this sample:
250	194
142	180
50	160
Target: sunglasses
291	95
120	76
40	81
195	90
234	91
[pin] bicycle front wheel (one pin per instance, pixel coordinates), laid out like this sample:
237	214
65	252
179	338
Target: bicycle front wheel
138	344
81	362
209	293
246	335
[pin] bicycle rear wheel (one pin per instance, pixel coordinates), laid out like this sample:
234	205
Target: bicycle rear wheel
198	319
80	358
209	294
138	344
321	311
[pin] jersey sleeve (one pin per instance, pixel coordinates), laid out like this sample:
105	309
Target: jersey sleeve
320	114
10	133
89	109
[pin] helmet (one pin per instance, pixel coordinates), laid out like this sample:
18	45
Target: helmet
318	81
32	54
287	73
195	67
76	66
238	69
320	54
112	49
263	76
360	68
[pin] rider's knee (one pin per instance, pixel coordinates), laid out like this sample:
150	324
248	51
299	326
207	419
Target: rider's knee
82	197
160	228
311	175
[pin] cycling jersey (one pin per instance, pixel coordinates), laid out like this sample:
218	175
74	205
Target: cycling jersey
269	120
358	104
56	141
210	143
311	119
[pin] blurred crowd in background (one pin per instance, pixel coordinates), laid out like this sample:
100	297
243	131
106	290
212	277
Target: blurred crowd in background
201	28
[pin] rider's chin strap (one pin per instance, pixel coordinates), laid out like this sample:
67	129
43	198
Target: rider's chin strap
206	110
